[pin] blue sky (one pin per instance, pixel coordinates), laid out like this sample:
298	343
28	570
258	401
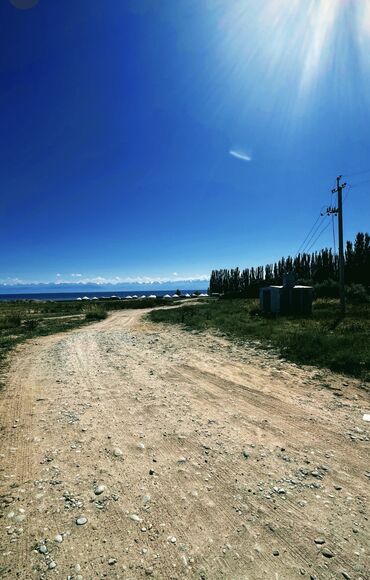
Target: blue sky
151	139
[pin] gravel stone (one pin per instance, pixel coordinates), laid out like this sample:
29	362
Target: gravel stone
81	521
112	561
99	489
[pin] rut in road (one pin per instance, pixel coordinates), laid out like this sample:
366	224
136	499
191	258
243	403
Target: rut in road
233	461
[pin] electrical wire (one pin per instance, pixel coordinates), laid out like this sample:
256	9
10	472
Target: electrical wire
309	236
356	173
334	245
361	183
312	236
348	188
318	236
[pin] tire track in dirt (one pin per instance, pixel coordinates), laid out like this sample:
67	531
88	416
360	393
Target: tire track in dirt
183	406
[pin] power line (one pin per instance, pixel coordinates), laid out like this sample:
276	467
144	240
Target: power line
309	236
361	183
318	236
357	173
332	223
347	192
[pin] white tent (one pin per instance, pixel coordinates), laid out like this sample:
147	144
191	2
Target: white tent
79	298
128	297
187	295
85	298
143	296
175	296
134	296
95	298
166	296
152	296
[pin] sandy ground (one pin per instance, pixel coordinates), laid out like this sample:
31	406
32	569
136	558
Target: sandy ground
212	460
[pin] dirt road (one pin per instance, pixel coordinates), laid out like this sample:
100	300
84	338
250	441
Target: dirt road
189	457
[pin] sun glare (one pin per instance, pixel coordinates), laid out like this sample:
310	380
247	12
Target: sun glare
297	42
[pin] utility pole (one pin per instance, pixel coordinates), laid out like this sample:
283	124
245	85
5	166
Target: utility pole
339	212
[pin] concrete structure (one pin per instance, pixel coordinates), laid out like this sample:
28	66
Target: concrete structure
286	299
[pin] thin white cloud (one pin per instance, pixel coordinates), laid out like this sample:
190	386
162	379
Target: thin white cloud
76	275
240	155
102	280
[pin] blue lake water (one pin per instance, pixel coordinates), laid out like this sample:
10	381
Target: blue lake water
75	295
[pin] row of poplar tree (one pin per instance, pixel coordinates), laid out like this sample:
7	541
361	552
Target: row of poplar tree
316	268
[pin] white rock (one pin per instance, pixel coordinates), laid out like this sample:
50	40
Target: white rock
117	452
99	489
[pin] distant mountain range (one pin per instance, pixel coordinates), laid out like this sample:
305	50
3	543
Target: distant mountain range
39	287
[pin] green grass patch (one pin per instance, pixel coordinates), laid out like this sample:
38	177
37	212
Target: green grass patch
324	339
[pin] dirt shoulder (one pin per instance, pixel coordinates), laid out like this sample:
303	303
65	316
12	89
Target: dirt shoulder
187	455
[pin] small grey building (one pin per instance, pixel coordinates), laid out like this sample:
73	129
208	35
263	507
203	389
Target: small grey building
286	299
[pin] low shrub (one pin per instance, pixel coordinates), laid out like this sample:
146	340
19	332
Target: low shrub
327	289
31	324
357	294
96	314
11	321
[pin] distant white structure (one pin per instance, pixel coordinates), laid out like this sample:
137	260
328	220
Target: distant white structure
95	298
152	296
85	298
143	296
204	295
176	296
128	297
134	296
187	295
79	298
166	296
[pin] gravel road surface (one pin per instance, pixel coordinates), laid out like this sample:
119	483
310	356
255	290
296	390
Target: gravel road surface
133	450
